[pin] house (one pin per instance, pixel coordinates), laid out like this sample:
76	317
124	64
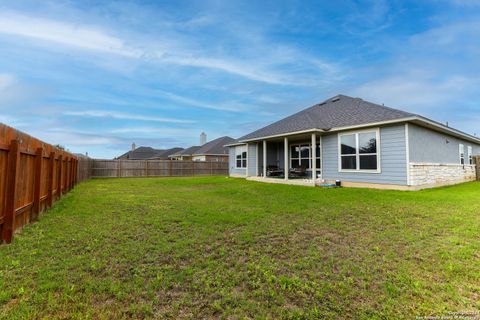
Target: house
185	154
359	143
214	150
147	153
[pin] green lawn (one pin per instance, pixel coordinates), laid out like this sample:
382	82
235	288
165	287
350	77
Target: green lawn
229	248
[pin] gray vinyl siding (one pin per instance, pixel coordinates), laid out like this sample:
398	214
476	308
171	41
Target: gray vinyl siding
428	146
252	159
392	158
231	163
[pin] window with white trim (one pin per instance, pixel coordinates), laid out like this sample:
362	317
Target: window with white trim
300	156
461	153
470	154
240	157
359	151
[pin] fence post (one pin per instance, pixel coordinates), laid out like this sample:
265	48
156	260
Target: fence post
75	172
37	183
11	186
51	167
193	168
69	177
59	176
70	185
119	168
211	168
146	168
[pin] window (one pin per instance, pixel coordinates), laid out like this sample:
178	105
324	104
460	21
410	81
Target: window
469	155
359	151
461	152
240	157
300	156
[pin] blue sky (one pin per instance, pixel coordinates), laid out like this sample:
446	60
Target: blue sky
98	75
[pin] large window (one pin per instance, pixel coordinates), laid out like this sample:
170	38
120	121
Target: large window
470	155
241	157
300	156
359	151
461	153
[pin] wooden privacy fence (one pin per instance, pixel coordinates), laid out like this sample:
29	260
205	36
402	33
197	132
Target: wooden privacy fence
84	169
157	168
33	174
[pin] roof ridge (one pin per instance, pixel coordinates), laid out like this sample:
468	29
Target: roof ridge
386	107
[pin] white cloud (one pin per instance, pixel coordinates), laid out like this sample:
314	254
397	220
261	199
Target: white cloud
63	33
450	36
156	130
199	104
123	116
170	50
413	91
6	81
465	3
240	69
69	138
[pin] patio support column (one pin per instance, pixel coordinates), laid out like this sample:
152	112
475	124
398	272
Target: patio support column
248	164
285	157
256	160
264	158
314	157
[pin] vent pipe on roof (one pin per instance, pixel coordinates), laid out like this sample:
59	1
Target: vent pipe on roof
203	138
134	146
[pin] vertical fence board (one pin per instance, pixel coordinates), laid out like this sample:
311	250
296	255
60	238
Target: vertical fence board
59	177
11	186
37	183
50	182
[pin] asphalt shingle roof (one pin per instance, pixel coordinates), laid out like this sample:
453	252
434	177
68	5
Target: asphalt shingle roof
215	146
187	152
336	112
144	153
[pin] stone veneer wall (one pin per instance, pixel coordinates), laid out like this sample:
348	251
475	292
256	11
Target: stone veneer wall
434	174
477	161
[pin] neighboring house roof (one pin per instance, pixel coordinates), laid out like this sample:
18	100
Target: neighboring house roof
186	152
144	153
215	147
342	112
166	153
81	155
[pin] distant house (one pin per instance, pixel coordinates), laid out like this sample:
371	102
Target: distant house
360	143
185	154
148	153
214	150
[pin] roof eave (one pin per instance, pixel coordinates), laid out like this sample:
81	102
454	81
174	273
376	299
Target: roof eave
365	125
415	118
234	144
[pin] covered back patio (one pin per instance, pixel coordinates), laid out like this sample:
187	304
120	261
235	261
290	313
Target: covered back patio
290	159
